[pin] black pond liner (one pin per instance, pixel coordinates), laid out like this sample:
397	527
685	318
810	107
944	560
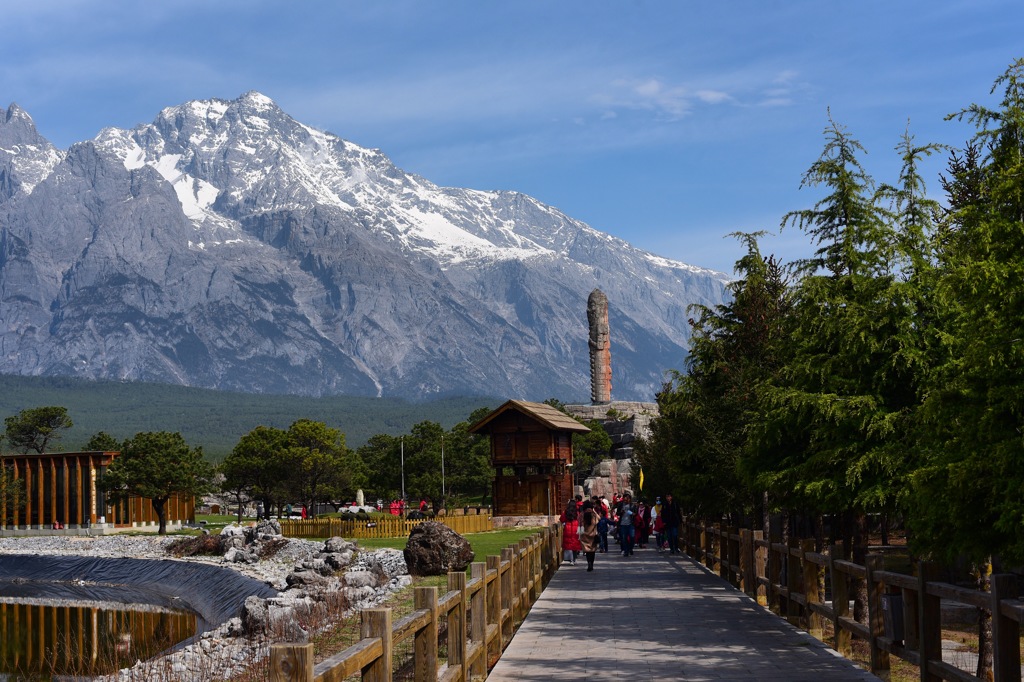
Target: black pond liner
213	593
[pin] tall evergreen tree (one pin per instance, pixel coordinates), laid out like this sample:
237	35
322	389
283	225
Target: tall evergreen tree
37	428
696	443
257	468
320	467
845	396
969	496
157	466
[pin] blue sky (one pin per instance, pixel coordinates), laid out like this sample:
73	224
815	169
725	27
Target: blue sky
669	124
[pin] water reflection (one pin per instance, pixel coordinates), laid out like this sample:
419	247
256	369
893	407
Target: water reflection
39	642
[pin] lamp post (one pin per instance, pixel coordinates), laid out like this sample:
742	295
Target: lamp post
402	441
442	472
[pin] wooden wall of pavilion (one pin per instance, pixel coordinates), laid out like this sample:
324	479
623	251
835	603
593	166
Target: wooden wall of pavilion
531	451
62	487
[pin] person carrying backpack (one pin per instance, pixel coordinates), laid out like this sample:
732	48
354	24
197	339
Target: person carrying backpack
627	531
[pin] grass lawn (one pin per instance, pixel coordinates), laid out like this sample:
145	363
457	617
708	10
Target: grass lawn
216	522
346	633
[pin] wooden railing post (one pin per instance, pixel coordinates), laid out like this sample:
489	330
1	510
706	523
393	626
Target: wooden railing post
716	548
748	580
793	561
521	580
1005	631
558	546
760	568
876	619
535	577
706	541
812	582
478	621
494	647
425	644
507	599
910	605
929	621
728	557
291	663
775	559
457	625
552	544
377	623
840	601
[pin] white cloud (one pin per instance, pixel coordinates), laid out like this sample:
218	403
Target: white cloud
713	96
775	102
647	94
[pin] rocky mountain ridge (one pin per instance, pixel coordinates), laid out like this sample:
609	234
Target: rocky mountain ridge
227	245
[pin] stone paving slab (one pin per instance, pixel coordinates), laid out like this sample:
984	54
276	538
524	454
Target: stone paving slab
655	617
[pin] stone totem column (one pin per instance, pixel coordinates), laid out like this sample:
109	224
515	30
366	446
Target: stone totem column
600	348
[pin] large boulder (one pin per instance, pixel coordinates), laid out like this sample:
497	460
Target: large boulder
255	616
305	577
336	545
265	529
435	549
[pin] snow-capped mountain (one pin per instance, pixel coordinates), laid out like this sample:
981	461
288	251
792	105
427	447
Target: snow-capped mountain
227	245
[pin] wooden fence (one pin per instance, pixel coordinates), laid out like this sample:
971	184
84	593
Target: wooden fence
481	615
378	526
756	566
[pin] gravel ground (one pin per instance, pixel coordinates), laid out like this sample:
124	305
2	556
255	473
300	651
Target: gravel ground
224	652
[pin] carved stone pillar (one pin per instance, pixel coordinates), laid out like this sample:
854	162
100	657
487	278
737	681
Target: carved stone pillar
600	348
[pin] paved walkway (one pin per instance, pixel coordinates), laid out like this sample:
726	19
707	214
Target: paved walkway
652	617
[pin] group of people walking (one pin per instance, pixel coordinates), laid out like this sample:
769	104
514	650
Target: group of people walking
588	523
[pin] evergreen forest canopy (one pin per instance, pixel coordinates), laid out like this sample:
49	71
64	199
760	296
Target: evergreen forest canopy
883	375
214	420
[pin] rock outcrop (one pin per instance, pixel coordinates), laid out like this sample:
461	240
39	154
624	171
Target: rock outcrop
435	549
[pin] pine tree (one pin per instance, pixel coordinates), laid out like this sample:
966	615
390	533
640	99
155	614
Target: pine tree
697	442
826	439
969	496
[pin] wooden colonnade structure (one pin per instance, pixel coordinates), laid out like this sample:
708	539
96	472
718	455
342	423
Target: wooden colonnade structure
62	488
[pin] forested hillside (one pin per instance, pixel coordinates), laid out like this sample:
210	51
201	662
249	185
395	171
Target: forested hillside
216	420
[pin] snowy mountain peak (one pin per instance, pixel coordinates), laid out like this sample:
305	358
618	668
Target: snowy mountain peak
26	157
228	245
257	100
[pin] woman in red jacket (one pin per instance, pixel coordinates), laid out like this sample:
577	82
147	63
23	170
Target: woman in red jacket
571	546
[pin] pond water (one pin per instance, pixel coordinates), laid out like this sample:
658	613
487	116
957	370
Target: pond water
42	642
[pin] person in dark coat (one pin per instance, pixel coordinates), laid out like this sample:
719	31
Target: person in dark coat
672	518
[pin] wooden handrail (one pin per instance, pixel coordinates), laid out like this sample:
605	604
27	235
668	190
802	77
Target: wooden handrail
480	615
787	579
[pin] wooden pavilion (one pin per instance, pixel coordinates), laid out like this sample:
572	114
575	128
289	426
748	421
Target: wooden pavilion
60	489
531	451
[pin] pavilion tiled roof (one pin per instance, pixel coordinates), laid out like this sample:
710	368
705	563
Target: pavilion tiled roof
551	417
